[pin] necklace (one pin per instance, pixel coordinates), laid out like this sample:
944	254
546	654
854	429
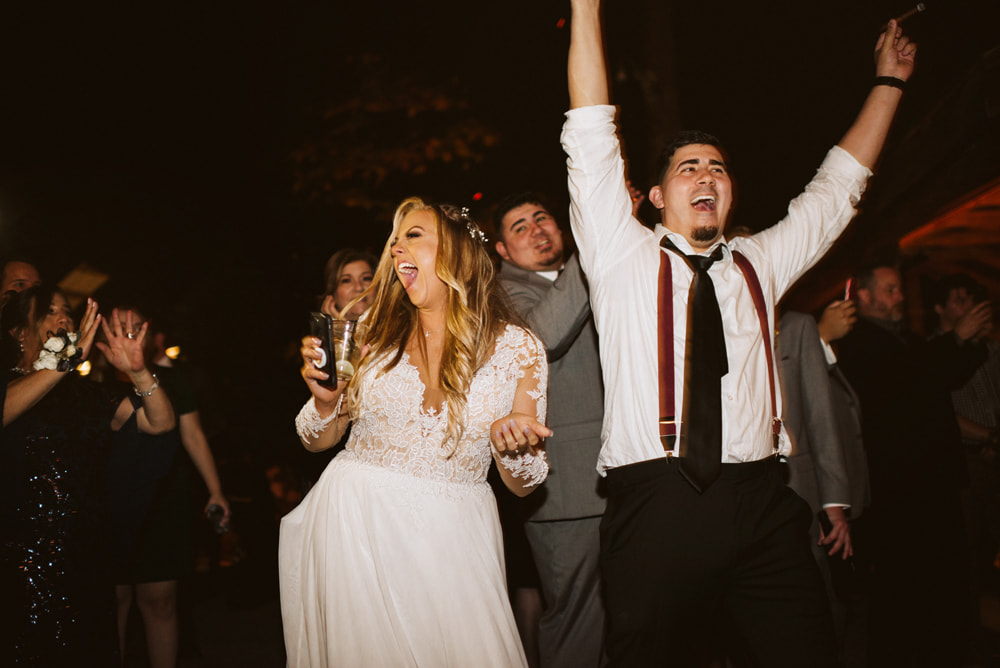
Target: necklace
19	370
428	332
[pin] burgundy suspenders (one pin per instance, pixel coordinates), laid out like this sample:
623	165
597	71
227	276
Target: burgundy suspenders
665	326
758	301
665	338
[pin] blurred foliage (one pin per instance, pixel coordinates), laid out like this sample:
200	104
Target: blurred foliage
387	132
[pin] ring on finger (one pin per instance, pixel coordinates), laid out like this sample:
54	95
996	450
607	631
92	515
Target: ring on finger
130	335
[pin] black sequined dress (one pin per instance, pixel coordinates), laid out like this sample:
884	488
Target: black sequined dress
58	604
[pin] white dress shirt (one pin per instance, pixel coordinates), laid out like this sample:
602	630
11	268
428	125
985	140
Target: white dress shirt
621	258
828	353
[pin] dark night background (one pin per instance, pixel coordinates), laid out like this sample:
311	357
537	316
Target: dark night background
208	157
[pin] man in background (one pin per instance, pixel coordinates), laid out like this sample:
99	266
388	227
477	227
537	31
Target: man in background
550	293
912	538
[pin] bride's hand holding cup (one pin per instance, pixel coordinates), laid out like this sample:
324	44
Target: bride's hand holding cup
313	358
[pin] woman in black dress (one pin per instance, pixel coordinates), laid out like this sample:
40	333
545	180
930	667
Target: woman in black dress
53	449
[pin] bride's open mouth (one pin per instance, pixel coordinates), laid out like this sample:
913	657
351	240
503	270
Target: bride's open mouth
407	272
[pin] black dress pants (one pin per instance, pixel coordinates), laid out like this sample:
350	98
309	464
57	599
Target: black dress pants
676	563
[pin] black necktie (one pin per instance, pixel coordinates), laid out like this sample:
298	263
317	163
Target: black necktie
704	366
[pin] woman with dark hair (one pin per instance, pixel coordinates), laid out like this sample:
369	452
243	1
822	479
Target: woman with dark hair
59	607
394	557
151	483
347	276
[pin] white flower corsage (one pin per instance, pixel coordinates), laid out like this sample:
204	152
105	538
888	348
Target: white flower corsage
60	352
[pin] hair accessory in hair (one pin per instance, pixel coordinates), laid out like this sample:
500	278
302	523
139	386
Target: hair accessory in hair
470	224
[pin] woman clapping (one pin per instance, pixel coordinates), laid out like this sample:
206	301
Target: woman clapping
54	443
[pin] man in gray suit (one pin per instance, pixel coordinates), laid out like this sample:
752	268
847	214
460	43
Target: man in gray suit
827	466
834	324
550	294
823	418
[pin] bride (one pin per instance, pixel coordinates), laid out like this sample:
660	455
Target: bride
394	558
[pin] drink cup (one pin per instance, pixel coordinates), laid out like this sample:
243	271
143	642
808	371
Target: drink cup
347	336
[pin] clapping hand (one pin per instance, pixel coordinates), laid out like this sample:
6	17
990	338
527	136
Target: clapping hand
124	349
88	328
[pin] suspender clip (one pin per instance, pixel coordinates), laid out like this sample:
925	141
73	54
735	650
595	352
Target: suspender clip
668	433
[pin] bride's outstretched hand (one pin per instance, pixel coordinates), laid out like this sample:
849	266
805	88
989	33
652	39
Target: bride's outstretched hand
517	433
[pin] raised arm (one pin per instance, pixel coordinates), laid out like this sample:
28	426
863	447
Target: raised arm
26	391
588	76
124	351
156	415
894	57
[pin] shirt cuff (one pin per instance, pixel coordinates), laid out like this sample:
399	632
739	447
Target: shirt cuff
831	357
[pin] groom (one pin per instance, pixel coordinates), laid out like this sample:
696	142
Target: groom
698	517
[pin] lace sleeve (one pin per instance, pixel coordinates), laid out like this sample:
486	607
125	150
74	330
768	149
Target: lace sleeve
534	376
531	397
532	468
308	422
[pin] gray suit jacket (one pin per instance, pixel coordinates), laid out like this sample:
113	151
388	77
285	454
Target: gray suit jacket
848	410
559	313
827	464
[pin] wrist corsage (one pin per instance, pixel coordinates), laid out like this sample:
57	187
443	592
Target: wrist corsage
60	352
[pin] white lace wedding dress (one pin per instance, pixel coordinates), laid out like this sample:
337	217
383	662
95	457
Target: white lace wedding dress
395	557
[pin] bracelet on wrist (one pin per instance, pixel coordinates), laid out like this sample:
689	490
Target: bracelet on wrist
895	82
149	392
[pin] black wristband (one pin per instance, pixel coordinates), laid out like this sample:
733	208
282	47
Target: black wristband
895	82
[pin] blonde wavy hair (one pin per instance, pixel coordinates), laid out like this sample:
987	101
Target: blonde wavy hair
478	310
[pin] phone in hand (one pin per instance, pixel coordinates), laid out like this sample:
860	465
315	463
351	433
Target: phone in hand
321	326
214	514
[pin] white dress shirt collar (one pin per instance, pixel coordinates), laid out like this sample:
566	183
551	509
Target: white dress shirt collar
683	246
